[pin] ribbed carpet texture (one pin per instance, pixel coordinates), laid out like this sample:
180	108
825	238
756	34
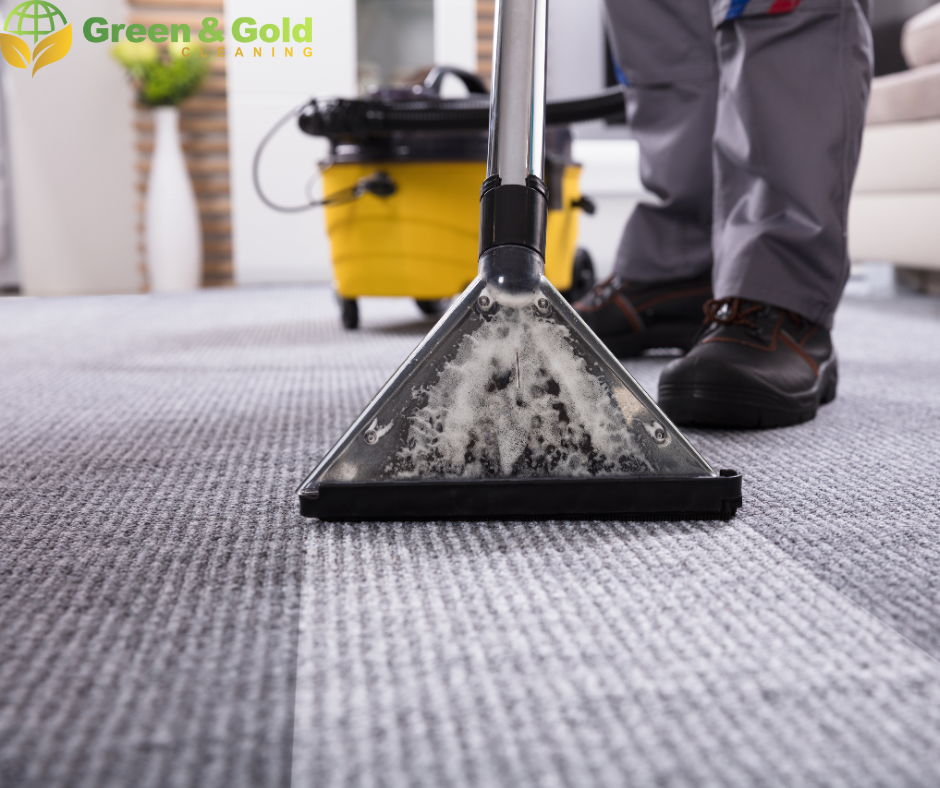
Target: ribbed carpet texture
168	619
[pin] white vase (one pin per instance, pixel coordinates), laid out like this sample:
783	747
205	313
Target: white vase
172	235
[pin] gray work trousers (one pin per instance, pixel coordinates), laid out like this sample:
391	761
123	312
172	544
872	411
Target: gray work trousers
749	131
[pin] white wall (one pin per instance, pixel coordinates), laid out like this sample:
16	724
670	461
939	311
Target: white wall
9	271
268	246
576	65
611	177
455	33
394	38
72	155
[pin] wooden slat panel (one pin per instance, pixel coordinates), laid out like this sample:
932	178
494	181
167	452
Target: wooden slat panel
204	132
204	105
485	14
200	146
192	124
217	247
217	226
216	207
201	187
216	83
195	164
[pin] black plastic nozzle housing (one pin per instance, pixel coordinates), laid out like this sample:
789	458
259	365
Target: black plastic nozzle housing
513	214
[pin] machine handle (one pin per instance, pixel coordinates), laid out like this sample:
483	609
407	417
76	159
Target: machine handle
378	183
586	204
435	79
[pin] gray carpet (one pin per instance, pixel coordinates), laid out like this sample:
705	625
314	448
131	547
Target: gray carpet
167	619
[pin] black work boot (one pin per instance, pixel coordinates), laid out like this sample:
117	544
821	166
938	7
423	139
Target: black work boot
631	317
753	366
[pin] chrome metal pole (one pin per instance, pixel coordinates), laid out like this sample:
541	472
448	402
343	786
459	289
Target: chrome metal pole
517	106
514	198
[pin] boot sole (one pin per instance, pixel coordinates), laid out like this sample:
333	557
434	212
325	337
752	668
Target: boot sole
715	406
680	335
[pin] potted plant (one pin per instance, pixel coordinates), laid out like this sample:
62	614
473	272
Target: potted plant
164	78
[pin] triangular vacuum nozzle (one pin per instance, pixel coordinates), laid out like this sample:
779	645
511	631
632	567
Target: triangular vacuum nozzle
514	411
511	407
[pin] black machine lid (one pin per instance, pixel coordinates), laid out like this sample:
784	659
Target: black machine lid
404	146
416	124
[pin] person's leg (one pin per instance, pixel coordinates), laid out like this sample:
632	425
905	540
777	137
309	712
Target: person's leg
791	109
666	51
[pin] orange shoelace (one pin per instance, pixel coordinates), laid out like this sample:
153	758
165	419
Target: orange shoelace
737	312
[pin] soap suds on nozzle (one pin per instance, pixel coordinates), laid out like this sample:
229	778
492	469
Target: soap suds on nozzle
518	401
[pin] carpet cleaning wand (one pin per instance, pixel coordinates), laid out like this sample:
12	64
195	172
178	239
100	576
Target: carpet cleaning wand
511	407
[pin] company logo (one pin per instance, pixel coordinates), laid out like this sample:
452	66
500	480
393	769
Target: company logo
38	23
37	33
245	30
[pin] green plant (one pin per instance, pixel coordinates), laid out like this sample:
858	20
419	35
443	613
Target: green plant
163	76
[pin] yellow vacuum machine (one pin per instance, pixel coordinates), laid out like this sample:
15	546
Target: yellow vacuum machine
420	239
402	191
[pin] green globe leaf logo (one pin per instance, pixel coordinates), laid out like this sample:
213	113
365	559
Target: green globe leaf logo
48	28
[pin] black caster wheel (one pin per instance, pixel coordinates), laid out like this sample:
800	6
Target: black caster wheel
432	307
349	312
582	276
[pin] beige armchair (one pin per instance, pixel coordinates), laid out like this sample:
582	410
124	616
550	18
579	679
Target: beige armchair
895	209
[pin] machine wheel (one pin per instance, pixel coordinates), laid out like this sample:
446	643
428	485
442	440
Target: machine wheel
582	276
349	312
432	307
